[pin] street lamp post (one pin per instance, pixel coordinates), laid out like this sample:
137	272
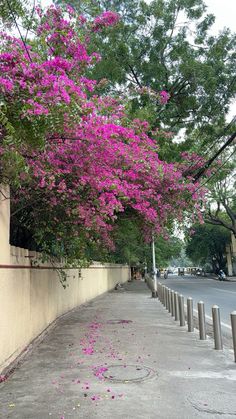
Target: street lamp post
154	292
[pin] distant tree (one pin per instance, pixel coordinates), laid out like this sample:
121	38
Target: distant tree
166	250
221	206
181	260
207	245
131	248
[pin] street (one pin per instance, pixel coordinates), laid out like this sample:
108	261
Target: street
209	291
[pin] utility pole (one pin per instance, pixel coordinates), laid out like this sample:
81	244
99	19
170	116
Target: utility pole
154	269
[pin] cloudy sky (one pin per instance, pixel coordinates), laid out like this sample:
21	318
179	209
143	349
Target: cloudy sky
225	13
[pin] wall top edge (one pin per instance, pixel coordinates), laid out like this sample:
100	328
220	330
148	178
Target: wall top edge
60	267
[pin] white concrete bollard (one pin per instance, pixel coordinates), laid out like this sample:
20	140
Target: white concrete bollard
217	327
201	320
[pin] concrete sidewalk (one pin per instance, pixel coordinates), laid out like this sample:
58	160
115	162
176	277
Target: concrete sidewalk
153	368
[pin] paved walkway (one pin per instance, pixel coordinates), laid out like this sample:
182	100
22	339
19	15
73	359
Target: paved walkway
154	368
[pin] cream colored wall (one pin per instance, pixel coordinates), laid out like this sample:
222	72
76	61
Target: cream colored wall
31	299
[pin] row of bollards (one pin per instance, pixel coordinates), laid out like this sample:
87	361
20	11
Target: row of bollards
174	303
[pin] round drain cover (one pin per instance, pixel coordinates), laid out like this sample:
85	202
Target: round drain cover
218	402
128	373
119	321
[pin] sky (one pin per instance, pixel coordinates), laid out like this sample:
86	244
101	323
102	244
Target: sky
225	13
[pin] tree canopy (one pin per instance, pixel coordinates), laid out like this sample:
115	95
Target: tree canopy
167	45
207	245
221	203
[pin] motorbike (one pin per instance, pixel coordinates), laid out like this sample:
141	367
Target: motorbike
221	276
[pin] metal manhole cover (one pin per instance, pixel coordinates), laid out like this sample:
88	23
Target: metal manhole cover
128	373
217	403
119	321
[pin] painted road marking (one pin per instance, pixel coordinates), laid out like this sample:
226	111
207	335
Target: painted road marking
231	292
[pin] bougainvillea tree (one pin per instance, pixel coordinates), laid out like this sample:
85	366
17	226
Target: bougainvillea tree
78	160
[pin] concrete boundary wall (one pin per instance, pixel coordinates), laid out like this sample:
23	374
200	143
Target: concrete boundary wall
32	297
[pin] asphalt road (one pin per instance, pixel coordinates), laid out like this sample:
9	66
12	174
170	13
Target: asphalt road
209	291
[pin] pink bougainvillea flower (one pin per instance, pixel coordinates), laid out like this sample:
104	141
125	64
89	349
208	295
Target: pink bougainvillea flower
99	371
95	397
164	97
105	19
88	351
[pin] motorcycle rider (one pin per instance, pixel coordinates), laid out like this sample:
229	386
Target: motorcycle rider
221	275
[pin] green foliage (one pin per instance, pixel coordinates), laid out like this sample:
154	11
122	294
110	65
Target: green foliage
207	245
56	240
166	250
53	239
167	45
220	208
11	10
133	250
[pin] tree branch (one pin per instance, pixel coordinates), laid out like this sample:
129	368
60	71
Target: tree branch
220	222
135	76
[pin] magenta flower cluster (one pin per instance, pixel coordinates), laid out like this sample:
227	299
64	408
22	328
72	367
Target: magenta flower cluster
105	19
164	97
98	164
